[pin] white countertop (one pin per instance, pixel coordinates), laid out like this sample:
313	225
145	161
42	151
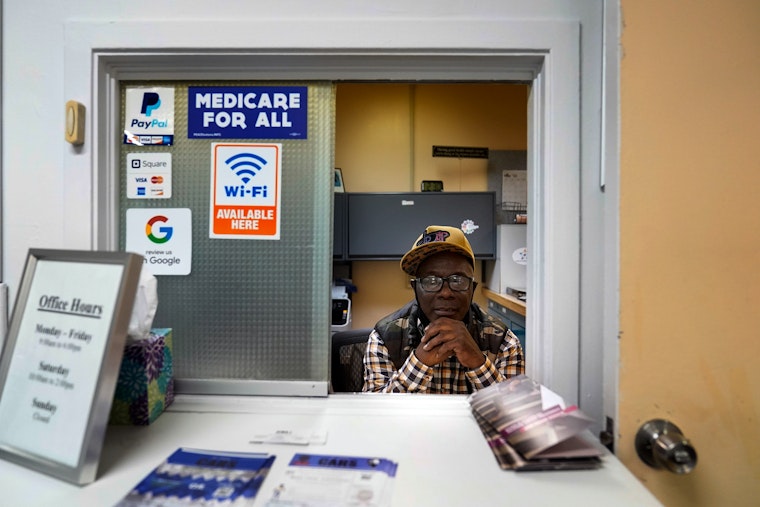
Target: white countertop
443	459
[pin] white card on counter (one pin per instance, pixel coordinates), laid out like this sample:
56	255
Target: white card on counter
292	437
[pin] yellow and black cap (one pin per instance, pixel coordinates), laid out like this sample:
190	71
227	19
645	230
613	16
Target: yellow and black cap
436	239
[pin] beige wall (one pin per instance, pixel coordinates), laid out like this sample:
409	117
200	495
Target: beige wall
383	143
690	241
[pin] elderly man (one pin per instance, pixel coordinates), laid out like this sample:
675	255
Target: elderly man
442	342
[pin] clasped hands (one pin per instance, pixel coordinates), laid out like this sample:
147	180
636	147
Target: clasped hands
444	338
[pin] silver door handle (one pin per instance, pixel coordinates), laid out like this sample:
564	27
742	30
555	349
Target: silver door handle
660	444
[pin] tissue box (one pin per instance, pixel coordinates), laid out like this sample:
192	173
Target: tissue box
146	380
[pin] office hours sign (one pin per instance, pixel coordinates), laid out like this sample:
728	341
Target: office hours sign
61	361
245	190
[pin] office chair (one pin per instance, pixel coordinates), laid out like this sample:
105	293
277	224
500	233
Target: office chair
348	348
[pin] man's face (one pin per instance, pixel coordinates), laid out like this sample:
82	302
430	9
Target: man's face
446	302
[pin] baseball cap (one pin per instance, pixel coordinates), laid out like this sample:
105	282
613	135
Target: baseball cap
436	239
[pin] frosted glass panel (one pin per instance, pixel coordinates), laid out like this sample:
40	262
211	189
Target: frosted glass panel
250	310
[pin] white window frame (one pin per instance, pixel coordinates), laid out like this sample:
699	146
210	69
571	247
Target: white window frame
99	54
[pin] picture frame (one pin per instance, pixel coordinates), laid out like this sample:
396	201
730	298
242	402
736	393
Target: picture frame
61	360
339	187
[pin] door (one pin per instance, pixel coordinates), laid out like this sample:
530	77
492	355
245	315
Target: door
690	286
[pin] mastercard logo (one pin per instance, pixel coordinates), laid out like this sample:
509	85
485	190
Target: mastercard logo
156	179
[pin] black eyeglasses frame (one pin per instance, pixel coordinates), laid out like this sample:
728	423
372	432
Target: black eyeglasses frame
446	279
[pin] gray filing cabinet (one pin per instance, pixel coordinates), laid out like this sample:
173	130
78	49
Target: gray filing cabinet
384	225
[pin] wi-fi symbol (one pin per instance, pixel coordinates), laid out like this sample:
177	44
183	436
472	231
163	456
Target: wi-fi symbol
246	165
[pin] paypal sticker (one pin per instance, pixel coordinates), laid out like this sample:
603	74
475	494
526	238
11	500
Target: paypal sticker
149	116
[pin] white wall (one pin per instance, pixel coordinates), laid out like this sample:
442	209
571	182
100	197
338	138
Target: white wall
33	89
38	213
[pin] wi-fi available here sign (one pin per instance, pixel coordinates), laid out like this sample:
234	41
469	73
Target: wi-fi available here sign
245	190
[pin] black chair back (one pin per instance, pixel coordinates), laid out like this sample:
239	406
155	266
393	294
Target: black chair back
347	365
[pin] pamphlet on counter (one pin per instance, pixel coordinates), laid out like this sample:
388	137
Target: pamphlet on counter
197	477
319	480
200	477
529	427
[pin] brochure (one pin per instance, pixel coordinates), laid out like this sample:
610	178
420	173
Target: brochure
202	477
528	427
318	480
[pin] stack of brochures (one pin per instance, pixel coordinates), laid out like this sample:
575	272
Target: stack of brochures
528	427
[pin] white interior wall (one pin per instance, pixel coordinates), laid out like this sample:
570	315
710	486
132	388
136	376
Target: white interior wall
37	210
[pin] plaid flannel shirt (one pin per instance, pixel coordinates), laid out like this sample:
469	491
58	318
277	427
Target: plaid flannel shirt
448	377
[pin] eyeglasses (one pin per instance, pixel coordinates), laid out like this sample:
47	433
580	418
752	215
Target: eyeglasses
434	283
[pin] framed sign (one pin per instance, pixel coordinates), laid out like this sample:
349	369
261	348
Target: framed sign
339	187
61	359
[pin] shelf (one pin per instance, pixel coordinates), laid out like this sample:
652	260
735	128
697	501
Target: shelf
509	302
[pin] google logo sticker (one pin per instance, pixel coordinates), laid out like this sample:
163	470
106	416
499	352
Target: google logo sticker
163	234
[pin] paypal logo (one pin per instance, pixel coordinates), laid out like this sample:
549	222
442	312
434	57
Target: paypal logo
150	102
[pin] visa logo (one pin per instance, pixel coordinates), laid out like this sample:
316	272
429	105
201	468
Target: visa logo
141	180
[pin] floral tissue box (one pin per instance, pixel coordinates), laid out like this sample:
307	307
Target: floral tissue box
146	381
